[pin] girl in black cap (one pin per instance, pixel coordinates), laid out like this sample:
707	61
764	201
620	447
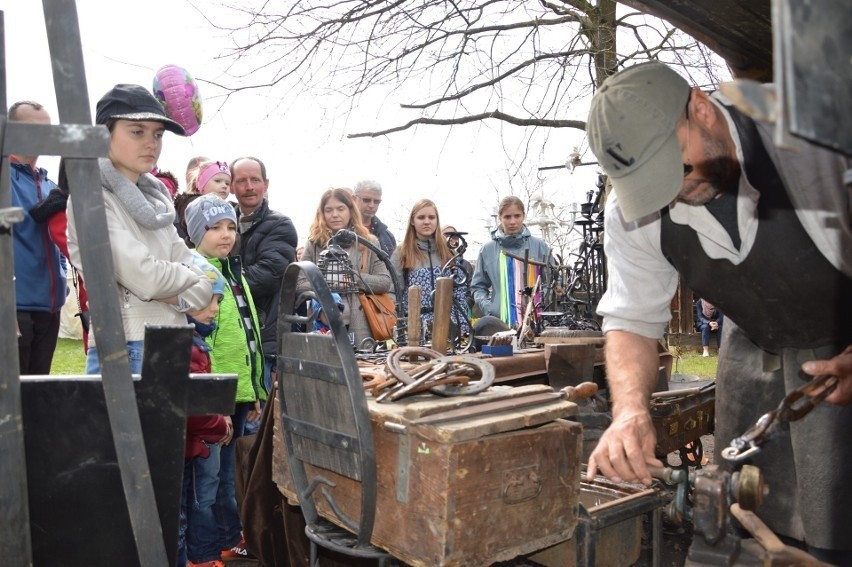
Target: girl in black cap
156	284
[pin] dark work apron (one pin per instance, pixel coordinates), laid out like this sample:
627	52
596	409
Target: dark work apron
788	304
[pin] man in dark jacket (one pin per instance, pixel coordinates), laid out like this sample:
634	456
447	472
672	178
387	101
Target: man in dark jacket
40	286
368	197
268	245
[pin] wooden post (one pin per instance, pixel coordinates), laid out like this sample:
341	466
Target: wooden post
441	311
414	324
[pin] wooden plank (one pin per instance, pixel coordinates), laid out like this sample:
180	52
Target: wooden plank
517	366
570	340
318	401
490	408
478	427
417	407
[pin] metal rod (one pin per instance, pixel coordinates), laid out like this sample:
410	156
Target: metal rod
63	33
15	543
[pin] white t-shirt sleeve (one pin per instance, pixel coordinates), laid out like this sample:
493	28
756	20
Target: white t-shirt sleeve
641	281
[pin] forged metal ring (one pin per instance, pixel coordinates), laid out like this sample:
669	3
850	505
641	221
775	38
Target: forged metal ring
486	372
394	361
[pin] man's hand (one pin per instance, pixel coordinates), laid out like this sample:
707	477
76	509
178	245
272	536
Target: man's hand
840	366
626	449
254	413
714	325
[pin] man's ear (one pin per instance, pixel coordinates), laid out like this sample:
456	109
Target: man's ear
702	109
265	187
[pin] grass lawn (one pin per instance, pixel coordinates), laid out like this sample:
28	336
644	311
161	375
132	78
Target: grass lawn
68	358
692	363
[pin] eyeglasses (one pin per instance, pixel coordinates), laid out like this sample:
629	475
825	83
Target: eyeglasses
369	201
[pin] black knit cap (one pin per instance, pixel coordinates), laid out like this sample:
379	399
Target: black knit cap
134	102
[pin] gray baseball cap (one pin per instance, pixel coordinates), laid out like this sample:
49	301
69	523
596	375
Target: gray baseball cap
632	131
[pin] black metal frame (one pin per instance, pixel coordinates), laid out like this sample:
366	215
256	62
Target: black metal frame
354	454
590	524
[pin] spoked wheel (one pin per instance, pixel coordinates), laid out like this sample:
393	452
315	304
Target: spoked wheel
692	454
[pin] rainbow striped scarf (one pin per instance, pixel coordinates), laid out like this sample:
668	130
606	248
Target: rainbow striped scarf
511	284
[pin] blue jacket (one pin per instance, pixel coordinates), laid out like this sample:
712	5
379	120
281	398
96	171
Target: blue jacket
39	267
486	285
387	242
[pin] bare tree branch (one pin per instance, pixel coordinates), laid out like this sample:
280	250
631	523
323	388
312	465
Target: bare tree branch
496	114
538	62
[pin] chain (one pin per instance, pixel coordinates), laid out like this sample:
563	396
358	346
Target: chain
796	405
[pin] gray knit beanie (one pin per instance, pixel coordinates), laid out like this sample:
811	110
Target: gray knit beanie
204	212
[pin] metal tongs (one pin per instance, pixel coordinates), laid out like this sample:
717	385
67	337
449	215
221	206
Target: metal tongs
796	405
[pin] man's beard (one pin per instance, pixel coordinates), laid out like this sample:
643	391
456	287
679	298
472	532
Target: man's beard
716	175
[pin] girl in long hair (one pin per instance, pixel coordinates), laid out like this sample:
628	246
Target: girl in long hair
337	211
419	259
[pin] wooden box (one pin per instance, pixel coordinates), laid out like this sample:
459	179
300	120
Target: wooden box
468	480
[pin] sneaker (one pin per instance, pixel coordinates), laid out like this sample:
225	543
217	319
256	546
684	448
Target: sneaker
214	563
706	355
238	551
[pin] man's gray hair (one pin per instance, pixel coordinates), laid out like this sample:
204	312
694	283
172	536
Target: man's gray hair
367	185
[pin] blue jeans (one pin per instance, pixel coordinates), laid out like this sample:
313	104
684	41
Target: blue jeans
134	354
226	509
705	334
200	487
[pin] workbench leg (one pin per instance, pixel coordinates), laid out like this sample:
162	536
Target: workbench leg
656	537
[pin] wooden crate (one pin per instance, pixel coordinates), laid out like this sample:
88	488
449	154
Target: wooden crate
471	490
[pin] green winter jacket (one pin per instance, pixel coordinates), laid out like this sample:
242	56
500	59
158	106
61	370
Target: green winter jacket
230	353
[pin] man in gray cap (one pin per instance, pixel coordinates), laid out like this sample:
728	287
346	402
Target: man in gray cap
763	233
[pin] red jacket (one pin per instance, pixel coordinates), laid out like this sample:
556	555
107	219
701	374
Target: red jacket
209	428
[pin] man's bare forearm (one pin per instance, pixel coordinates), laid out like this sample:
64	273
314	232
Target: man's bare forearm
632	363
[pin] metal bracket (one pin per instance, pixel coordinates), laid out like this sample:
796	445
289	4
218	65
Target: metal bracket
8	217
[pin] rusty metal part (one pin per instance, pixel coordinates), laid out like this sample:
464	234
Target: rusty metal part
668	475
796	405
480	374
749	488
757	528
410	353
472	366
712	544
776	552
676	510
680	420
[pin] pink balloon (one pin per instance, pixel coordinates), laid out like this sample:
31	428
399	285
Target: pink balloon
178	92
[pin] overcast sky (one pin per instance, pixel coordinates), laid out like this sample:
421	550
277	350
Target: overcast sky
302	138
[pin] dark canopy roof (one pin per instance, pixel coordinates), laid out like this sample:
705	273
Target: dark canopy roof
738	30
